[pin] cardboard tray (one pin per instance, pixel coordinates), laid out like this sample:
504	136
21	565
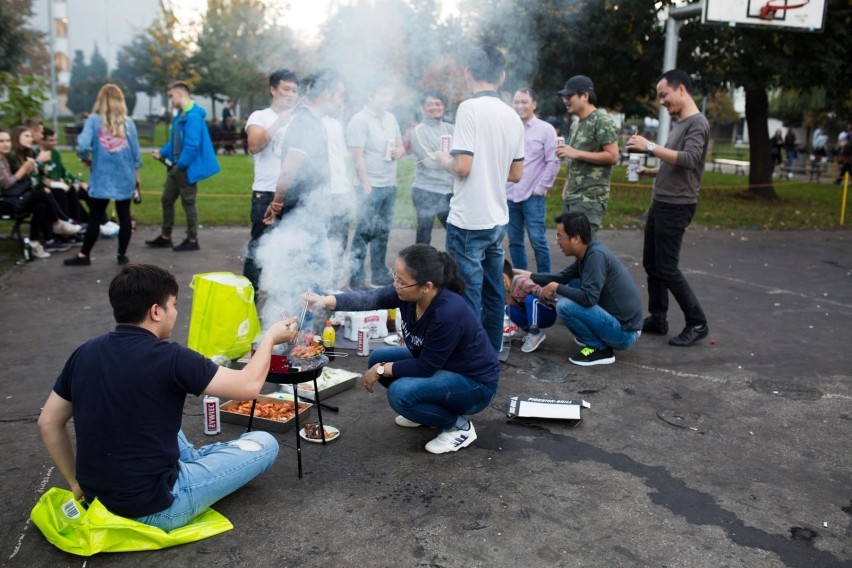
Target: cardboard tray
262	423
306	389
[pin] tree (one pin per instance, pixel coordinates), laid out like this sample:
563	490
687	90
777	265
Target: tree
86	81
23	63
763	59
22	50
617	44
233	36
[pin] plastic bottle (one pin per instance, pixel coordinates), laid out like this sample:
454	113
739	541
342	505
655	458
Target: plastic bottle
328	337
391	320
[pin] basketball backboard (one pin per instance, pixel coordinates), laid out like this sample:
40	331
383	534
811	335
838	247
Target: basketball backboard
797	15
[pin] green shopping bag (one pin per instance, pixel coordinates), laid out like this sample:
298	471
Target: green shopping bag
224	318
72	528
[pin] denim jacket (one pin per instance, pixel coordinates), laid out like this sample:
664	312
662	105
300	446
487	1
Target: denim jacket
114	160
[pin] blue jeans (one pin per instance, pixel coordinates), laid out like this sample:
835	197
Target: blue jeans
530	214
429	206
260	201
479	255
212	472
535	313
435	401
375	216
594	326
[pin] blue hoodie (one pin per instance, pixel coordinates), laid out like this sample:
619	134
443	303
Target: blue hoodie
197	155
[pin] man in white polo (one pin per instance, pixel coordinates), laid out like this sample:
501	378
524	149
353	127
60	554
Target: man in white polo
265	129
488	150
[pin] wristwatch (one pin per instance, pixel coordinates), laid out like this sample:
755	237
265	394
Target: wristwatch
380	371
650	148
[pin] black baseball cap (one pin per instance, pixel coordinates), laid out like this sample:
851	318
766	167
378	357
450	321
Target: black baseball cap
577	84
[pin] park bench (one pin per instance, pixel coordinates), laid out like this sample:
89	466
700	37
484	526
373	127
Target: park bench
7	213
225	139
817	166
740	166
72	131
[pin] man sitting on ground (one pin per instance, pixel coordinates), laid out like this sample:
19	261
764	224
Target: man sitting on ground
126	392
604	312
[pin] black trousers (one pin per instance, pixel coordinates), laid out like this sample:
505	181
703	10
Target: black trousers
664	231
97	210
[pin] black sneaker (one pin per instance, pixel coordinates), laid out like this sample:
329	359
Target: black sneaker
187	245
655	326
159	242
690	335
590	356
122	259
77	260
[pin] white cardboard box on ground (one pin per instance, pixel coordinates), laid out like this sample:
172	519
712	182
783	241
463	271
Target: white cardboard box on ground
376	321
537	407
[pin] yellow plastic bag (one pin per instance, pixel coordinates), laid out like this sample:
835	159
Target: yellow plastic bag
224	318
67	525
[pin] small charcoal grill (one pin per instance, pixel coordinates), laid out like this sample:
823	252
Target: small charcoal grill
292	371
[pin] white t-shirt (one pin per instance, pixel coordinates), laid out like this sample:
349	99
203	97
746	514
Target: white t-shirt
492	132
337	153
267	164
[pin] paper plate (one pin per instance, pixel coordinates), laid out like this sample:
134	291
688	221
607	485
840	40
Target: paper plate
330	429
392	340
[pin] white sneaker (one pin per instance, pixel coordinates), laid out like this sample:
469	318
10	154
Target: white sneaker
452	440
38	250
65	228
532	341
405	422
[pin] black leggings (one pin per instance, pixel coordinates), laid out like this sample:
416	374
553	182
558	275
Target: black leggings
97	208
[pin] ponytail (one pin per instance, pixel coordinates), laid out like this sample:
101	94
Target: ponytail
427	264
452	280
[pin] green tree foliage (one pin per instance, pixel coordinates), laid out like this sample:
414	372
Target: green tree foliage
232	43
23	64
617	44
86	81
20	97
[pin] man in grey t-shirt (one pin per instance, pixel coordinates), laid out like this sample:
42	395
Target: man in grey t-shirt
375	142
674	201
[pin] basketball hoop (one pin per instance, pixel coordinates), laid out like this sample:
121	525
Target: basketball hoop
767	12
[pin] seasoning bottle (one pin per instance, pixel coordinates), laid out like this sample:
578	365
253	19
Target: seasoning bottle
328	337
391	320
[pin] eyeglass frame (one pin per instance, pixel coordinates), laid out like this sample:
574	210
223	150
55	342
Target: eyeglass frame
396	282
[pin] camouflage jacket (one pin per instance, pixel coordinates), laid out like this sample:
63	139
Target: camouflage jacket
588	183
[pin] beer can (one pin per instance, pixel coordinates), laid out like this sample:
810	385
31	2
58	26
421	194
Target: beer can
633	167
446	141
212	425
560	141
363	341
389	150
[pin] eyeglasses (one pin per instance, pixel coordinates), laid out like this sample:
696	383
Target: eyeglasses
397	284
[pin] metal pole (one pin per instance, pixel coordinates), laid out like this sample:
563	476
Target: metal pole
51	28
673	25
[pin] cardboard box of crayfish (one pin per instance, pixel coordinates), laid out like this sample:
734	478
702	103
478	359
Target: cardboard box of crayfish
270	414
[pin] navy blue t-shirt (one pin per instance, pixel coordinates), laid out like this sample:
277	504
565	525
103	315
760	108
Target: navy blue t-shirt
448	336
127	389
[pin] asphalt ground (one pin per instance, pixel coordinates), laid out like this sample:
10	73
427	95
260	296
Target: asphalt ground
733	452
